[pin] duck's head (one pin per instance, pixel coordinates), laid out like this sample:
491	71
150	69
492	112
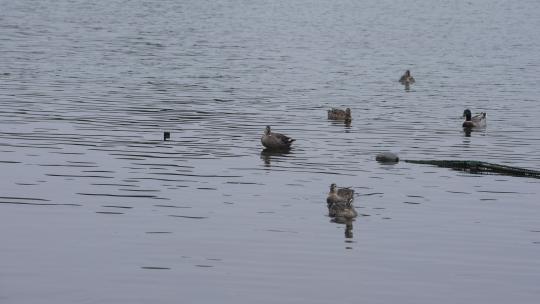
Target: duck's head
333	188
348	112
408	73
267	130
467	114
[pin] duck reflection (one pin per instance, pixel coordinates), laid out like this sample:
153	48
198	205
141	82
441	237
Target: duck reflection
407	87
267	155
467	132
348	225
347	123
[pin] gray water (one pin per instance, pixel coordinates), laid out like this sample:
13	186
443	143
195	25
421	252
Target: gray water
96	208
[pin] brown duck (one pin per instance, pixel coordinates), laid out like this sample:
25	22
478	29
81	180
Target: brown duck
406	78
340	202
275	141
338	114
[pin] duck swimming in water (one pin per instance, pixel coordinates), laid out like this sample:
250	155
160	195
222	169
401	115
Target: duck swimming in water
338	114
477	121
407	78
276	141
340	202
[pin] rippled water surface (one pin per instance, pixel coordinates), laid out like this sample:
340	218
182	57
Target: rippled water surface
96	208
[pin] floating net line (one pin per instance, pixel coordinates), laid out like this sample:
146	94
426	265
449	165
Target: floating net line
479	167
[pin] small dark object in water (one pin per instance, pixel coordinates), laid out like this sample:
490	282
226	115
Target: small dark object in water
166	136
387	157
406	79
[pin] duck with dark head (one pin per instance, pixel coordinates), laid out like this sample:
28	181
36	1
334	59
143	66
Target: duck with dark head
476	121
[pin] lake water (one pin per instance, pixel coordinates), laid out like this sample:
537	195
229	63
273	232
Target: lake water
96	208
